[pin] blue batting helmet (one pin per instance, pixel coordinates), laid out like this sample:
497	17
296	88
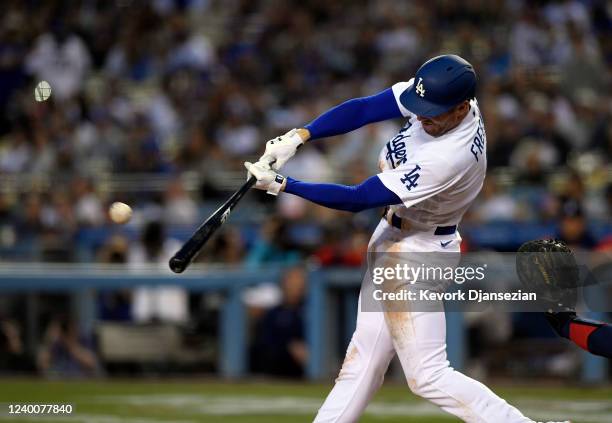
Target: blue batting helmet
440	84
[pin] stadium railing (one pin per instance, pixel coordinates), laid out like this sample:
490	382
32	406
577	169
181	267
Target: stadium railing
81	282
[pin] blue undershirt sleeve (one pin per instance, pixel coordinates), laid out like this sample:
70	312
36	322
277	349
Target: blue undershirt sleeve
369	194
355	113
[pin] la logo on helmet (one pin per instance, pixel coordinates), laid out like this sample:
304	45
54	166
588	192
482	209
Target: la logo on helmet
420	89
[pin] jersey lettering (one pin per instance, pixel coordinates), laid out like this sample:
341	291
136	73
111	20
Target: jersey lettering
479	141
396	148
406	127
396	151
410	179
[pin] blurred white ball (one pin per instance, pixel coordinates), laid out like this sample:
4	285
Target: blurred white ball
42	91
120	212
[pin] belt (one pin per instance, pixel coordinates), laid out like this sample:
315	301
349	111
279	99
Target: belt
404	224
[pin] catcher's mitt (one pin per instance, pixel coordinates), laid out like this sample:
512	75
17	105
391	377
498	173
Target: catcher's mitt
548	268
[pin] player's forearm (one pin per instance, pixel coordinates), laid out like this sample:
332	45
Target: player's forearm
590	335
353	114
599	342
369	194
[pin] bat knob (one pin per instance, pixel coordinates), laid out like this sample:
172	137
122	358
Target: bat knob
177	265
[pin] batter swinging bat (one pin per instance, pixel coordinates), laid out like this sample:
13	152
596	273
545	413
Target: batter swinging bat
192	247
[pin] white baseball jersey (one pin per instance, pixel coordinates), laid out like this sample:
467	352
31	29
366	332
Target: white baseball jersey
437	178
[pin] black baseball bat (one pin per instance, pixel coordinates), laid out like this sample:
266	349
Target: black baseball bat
189	251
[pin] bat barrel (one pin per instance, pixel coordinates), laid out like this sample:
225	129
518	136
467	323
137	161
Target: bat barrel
178	265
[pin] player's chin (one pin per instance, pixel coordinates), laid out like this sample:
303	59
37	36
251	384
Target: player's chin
431	128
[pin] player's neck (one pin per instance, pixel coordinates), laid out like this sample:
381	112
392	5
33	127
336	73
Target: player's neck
457	119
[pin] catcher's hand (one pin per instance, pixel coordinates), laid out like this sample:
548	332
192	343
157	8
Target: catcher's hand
548	268
281	149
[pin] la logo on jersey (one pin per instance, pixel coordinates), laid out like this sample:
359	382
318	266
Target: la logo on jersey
420	89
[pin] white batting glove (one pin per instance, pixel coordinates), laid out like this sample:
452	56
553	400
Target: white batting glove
267	179
281	149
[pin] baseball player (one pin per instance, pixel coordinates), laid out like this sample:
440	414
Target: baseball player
430	173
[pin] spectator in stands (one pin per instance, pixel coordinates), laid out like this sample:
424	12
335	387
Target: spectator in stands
495	204
179	208
161	93
65	352
163	88
87	205
61	58
573	190
272	245
279	347
584	68
533	157
340	250
59	227
15	154
529	39
29	221
573	227
13	357
115	305
501	146
237	137
142	153
542	125
8	222
162	303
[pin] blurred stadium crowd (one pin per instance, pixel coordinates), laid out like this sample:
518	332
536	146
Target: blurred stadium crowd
158	103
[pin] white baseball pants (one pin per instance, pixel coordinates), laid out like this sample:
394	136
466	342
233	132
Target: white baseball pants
419	340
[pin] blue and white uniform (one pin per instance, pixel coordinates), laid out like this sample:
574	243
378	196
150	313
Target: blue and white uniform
427	184
437	178
428	180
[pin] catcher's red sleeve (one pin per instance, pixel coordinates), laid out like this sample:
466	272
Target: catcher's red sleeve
579	334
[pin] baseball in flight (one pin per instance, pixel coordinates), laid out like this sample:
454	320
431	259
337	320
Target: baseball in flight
120	213
42	91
